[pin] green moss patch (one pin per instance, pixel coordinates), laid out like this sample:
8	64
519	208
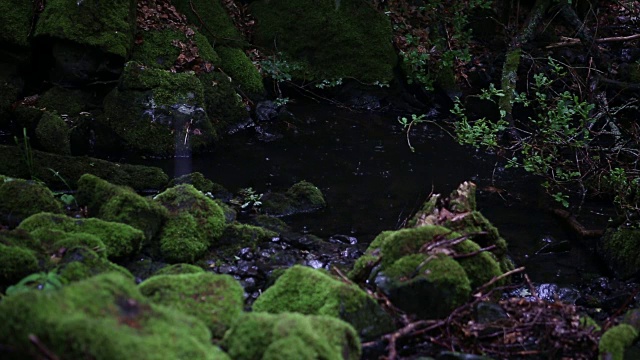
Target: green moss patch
237	65
215	299
20	199
211	18
615	340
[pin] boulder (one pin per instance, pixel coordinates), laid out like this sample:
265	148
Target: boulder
20	199
302	197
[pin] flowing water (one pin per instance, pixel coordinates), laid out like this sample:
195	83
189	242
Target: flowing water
372	181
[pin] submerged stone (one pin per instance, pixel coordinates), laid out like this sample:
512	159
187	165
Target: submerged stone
215	299
308	291
104	317
291	336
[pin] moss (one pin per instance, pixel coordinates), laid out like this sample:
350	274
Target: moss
15	22
195	223
307	193
215	299
237	65
211	18
117	203
104	317
313	292
157	50
621	250
300	198
17	262
73	240
120	240
65	101
20	199
335	39
241	235
71	168
178	269
429	287
480	268
159	112
109	26
197	180
53	134
258	334
615	340
224	106
587	322
80	263
409	241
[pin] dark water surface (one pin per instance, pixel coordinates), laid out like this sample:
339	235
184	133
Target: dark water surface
372	182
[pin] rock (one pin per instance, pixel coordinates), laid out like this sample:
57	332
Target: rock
154	48
219	28
239	67
616	340
291	336
195	223
53	134
215	299
203	184
158	112
104	317
266	111
313	292
107	26
302	197
20	199
69	169
120	240
237	236
15	22
620	249
179	269
119	204
327	40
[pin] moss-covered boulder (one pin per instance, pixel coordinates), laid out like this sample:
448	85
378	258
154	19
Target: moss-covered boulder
224	105
237	236
108	26
615	341
179	269
195	223
237	65
15	22
120	204
69	169
53	134
203	184
215	299
17	262
331	39
302	197
620	249
120	240
313	292
212	19
104	317
291	336
160	48
20	199
80	263
158	112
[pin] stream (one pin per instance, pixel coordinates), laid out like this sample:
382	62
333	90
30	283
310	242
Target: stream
372	181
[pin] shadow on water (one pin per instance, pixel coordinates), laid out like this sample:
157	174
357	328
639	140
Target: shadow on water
373	182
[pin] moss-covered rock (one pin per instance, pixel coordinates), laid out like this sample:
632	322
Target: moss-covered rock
615	340
108	26
65	101
212	19
158	112
15	22
20	199
68	169
620	249
236	63
300	198
80	263
195	223
215	299
268	336
179	269
104	317
237	235
53	134
117	203
120	240
334	39
224	105
480	267
156	48
203	184
17	262
313	292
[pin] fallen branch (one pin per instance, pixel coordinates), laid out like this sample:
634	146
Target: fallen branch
575	224
567	41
